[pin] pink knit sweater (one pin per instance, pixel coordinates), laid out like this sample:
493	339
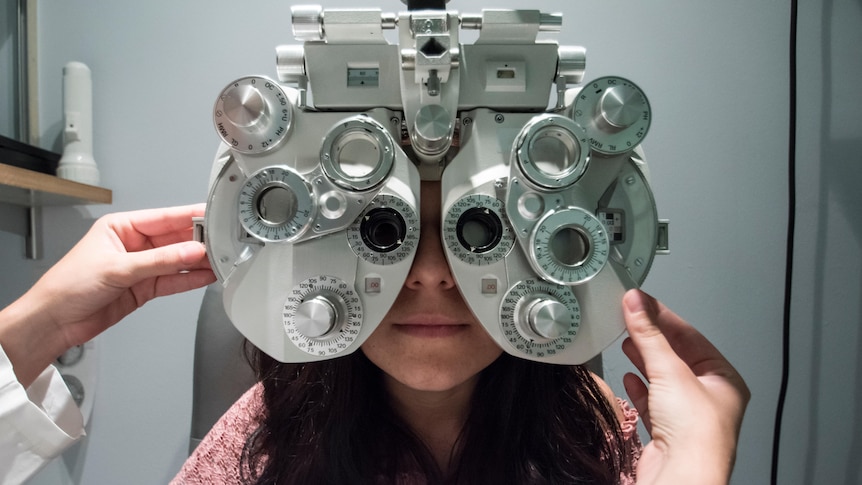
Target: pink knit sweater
217	457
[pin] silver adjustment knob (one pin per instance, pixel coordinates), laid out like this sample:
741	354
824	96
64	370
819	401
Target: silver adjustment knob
615	113
307	22
322	317
432	129
550	22
547	319
252	114
539	319
620	107
316	317
290	63
572	63
244	106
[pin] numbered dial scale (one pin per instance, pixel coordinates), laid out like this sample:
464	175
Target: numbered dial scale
386	232
476	231
539	319
322	316
275	204
569	246
252	115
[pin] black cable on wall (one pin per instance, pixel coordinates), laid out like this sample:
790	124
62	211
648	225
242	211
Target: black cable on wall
791	229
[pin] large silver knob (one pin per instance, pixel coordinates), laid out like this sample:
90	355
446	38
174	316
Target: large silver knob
252	114
546	319
244	106
539	320
316	317
322	318
619	106
615	113
432	130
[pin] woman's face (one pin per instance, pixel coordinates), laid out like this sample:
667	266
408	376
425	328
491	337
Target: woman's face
429	340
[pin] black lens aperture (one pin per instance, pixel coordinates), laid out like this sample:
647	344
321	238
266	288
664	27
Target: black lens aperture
383	229
479	230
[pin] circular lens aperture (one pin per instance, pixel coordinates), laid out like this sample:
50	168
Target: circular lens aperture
479	230
276	205
387	232
570	246
553	151
383	229
475	230
356	153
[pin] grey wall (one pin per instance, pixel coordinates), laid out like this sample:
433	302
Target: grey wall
716	75
8	73
823	435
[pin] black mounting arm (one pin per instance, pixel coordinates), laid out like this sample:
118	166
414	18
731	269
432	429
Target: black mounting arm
426	4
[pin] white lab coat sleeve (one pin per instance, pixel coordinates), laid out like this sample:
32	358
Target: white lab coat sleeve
36	424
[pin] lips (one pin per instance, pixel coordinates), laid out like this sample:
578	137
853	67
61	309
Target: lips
431	326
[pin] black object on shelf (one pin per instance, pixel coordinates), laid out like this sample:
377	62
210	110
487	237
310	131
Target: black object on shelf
22	155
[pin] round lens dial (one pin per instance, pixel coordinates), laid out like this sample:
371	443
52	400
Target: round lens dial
615	112
540	319
569	246
322	316
252	115
552	151
475	230
387	231
275	204
357	153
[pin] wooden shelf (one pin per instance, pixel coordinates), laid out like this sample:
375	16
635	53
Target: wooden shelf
27	188
34	190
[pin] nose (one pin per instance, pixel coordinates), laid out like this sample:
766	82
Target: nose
430	269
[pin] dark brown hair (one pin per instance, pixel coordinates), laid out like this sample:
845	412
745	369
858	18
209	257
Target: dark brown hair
331	422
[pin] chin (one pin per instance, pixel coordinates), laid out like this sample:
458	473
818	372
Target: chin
426	357
432	381
434	370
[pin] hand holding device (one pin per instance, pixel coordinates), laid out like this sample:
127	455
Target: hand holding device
694	406
125	260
